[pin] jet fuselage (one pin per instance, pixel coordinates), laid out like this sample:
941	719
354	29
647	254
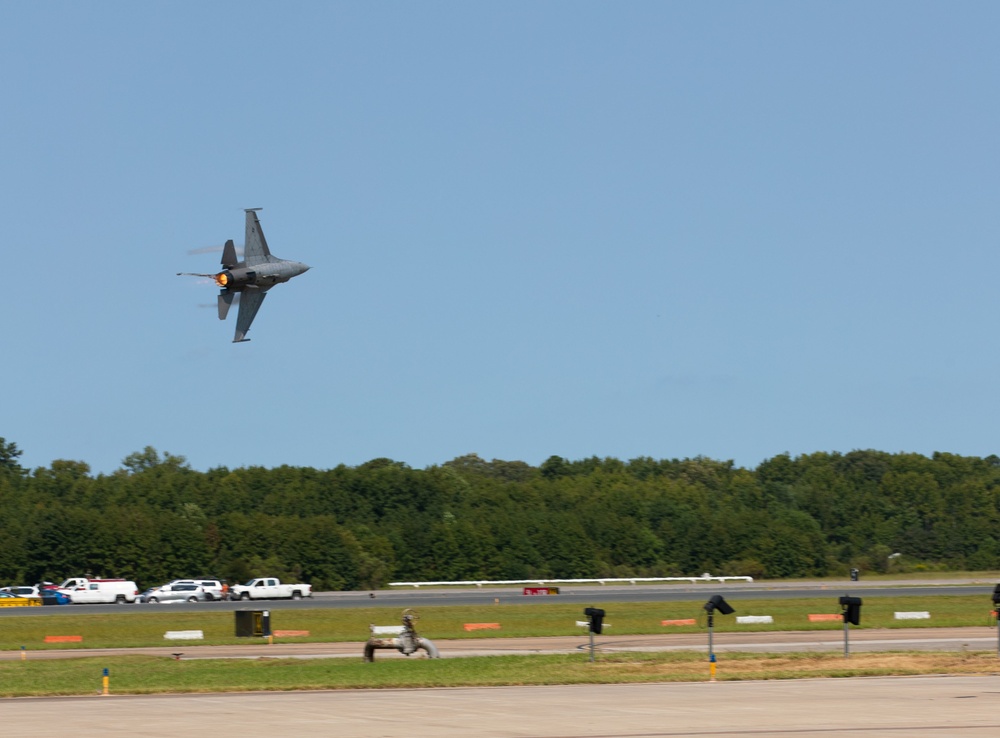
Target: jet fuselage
266	274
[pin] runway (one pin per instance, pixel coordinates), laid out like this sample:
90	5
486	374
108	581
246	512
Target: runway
580	595
911	707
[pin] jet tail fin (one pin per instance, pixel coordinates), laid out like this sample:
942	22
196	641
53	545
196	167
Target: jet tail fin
225	302
229	260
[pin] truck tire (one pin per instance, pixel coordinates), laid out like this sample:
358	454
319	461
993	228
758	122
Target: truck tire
245	596
296	595
120	600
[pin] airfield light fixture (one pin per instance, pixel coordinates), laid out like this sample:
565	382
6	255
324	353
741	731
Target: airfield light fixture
715	602
996	613
595	616
851	607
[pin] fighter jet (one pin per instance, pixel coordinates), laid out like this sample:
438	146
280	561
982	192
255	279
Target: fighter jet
251	278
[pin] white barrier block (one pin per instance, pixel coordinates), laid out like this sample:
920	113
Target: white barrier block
913	616
586	624
184	635
387	630
748	619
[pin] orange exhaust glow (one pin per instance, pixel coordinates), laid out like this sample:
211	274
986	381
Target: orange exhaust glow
221	279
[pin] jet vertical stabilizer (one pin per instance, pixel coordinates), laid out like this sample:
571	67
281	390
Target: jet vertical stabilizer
229	260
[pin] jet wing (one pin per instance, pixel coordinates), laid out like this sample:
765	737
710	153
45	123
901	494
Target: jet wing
255	251
250	302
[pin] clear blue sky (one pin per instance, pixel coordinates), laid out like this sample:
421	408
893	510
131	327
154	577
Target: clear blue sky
620	229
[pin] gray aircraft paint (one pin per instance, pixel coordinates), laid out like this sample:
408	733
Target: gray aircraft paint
251	278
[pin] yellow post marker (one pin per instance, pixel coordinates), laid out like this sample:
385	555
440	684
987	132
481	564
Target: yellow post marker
270	639
24	654
106	680
711	668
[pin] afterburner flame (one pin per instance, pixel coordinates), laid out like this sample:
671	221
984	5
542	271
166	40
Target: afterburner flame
222	279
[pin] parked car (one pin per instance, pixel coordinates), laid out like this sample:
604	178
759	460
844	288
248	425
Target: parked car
213	587
176	593
22	591
55	597
12	600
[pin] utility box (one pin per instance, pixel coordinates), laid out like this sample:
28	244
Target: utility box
253	623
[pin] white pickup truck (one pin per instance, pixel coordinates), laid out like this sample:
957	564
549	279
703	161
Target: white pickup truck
268	588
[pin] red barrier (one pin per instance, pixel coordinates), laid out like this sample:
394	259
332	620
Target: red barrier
63	639
290	633
482	626
689	621
821	618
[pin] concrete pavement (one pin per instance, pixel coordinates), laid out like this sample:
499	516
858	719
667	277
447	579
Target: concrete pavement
915	707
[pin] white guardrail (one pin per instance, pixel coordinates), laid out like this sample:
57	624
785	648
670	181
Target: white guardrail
602	580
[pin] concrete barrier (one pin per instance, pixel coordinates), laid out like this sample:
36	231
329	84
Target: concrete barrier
686	621
481	626
290	633
184	635
754	619
63	639
913	616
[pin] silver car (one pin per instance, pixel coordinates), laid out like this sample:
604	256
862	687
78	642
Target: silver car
30	592
213	587
174	593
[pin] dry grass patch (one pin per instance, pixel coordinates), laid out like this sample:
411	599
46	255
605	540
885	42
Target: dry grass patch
735	666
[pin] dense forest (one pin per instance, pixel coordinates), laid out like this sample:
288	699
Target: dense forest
155	518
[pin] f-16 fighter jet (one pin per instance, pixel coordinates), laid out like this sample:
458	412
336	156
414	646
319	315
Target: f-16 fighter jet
251	278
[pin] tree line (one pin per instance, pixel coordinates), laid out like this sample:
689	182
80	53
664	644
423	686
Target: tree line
360	527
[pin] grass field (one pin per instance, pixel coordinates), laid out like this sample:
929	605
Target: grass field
150	675
146	627
141	674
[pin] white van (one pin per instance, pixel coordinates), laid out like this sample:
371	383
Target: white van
99	591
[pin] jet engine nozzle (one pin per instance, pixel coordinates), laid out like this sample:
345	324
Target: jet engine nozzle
235	279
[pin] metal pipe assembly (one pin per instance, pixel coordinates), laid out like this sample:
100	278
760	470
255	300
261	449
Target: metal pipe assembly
405	639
